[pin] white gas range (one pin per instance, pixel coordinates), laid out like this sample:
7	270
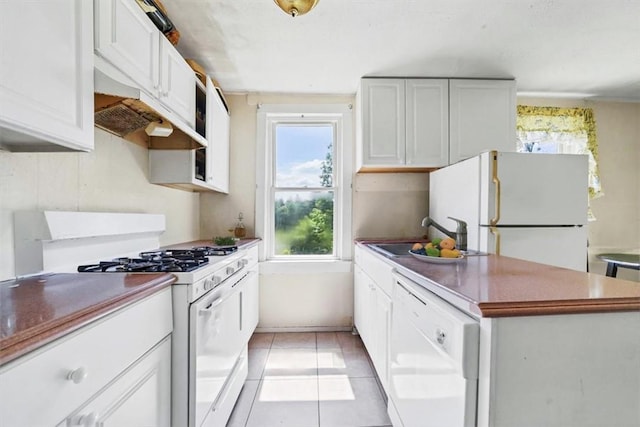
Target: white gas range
215	297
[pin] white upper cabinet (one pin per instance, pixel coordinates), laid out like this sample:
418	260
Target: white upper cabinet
129	41
482	117
383	128
218	122
126	38
204	169
177	82
427	120
46	75
430	123
404	123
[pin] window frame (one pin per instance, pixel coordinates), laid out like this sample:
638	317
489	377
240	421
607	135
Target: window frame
341	118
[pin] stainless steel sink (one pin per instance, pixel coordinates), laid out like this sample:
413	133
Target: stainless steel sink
391	249
399	249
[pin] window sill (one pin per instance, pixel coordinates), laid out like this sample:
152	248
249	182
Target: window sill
305	267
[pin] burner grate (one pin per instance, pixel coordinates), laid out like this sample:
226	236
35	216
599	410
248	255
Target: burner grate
148	263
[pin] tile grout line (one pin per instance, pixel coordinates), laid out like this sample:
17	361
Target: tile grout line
253	401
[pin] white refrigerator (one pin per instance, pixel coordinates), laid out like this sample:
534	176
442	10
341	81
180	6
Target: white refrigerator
521	205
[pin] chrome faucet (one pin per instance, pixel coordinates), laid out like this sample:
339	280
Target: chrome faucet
460	235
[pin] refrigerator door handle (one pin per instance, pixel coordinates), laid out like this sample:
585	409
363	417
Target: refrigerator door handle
496	181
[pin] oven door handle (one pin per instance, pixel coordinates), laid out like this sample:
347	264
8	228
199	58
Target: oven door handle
211	307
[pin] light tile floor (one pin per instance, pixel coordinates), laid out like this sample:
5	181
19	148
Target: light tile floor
322	379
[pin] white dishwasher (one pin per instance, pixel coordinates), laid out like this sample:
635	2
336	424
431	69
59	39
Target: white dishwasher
434	360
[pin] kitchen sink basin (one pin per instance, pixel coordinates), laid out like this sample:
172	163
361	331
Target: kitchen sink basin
391	249
400	249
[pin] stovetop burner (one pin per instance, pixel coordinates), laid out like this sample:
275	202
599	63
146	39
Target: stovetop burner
168	260
148	263
215	250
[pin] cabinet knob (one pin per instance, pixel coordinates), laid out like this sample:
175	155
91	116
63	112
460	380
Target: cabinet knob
88	420
77	375
440	336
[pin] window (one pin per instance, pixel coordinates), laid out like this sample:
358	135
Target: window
560	130
303	204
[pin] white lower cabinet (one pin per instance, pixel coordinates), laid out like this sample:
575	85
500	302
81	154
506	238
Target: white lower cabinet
137	398
373	321
250	303
442	367
116	371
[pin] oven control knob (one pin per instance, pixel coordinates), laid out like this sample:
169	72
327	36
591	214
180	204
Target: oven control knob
230	270
211	283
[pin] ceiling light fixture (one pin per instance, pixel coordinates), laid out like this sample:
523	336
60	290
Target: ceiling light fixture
296	7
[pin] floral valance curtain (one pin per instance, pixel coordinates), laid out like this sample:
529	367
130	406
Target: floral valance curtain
560	130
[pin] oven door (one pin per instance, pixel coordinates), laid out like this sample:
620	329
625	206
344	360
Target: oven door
215	344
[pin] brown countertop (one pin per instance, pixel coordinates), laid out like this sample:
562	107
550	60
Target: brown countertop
242	243
39	309
498	286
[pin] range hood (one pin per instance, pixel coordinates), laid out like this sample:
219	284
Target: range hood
123	109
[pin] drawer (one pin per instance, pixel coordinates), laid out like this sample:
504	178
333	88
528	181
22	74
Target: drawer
141	396
37	389
376	268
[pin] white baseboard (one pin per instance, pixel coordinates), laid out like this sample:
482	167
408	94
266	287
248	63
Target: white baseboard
306	329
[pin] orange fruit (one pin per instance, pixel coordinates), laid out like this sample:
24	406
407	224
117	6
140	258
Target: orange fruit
416	246
448	243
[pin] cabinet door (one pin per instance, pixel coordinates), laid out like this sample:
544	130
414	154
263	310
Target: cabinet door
250	304
127	39
140	397
482	117
361	315
46	75
178	83
382	327
218	122
427	122
383	122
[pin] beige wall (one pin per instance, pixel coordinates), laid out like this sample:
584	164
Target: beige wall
617	225
112	178
390	205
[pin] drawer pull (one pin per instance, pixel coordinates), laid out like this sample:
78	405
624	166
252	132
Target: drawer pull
77	375
89	420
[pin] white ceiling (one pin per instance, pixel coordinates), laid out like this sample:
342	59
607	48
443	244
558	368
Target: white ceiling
581	48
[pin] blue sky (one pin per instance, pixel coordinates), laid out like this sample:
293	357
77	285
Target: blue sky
300	151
